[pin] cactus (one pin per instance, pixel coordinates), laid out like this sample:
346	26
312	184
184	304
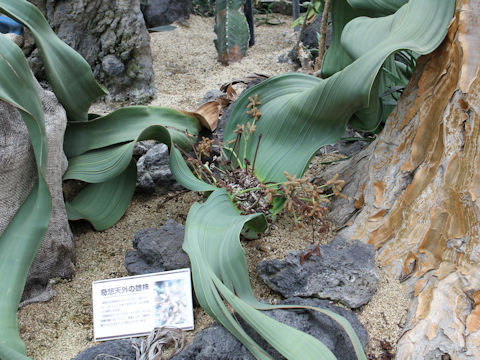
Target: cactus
232	31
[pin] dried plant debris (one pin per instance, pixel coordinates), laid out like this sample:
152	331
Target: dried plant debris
224	166
387	351
255	77
153	346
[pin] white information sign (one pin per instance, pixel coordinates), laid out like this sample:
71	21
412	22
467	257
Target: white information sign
134	305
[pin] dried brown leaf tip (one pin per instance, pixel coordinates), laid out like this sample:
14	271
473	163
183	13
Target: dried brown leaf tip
209	113
231	93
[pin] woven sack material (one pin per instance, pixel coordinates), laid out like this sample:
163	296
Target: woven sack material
18	173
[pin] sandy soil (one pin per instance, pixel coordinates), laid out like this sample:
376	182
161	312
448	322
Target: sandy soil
185	68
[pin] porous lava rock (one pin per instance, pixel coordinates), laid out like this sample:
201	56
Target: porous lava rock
344	271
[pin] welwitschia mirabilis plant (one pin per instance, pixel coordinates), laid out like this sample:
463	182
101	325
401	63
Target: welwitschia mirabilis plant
300	114
100	151
232	31
219	270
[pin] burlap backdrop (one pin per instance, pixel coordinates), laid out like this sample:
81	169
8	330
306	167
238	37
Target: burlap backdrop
17	176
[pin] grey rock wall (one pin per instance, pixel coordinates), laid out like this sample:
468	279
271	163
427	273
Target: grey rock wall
111	36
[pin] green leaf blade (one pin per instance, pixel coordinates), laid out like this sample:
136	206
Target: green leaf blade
296	122
106	158
219	271
103	163
184	175
22	237
377	7
103	204
99	165
7	353
128	122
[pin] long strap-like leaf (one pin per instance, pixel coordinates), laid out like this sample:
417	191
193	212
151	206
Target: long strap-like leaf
336	58
301	113
8	353
22	237
377	7
108	166
219	271
125	125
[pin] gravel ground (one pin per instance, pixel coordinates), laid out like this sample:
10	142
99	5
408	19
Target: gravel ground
185	68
